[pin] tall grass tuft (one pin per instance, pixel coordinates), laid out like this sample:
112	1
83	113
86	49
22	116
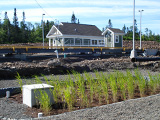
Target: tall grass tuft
44	100
113	86
90	85
20	82
130	84
141	82
121	81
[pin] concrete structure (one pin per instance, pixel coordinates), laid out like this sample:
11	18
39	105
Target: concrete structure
30	92
113	37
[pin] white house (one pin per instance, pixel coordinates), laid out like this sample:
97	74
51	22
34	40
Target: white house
72	34
113	37
82	35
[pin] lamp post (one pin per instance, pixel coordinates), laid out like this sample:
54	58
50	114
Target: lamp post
140	28
133	52
43	30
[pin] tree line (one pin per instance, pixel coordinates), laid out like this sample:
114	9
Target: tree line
147	36
22	32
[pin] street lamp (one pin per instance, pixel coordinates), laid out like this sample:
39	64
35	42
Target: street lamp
43	30
133	52
140	27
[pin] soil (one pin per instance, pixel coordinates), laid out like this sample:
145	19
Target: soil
37	64
59	108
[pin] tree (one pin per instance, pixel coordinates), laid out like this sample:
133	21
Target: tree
73	18
146	31
124	29
15	18
109	24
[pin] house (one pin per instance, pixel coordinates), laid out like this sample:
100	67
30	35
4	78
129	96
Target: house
72	34
82	35
113	37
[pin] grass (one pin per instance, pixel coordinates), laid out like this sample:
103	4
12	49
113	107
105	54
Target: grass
104	88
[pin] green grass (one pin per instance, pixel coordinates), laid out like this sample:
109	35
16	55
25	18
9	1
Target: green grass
86	89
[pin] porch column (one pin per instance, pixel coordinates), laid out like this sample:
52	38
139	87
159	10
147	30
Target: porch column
49	43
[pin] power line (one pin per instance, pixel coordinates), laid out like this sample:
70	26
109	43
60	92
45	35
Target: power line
44	10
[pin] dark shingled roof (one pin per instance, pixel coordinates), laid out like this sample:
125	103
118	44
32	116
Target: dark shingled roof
115	30
79	29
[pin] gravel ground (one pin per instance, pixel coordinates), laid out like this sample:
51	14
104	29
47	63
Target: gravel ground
143	108
147	108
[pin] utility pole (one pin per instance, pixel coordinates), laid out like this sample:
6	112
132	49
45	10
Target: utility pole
133	52
140	28
43	29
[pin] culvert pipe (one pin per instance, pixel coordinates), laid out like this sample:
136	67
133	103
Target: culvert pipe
137	59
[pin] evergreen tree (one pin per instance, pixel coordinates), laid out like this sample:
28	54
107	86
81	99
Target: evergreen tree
110	25
124	29
73	18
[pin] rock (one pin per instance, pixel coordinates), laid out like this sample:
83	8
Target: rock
54	63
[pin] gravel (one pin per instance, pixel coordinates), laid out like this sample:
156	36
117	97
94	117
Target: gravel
147	108
10	109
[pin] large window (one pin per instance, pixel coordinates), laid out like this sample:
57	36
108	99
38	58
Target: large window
78	41
86	41
69	41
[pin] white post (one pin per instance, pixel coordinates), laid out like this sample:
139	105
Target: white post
43	30
49	43
133	52
140	28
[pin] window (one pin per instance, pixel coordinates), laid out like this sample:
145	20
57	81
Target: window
117	39
101	42
94	42
78	41
86	41
69	41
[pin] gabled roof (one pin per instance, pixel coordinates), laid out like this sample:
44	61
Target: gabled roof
79	29
114	30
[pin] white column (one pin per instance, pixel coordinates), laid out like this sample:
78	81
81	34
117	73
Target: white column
49	43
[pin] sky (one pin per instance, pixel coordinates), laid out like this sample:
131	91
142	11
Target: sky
94	12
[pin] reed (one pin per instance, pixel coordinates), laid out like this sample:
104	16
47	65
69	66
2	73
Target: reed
81	89
113	86
130	84
104	86
141	82
43	100
90	84
19	80
122	84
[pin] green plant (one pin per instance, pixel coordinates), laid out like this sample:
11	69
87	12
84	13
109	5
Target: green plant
122	84
130	84
80	82
141	82
20	82
90	84
43	99
68	96
113	86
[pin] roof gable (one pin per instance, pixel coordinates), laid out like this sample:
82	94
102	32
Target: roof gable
79	29
114	30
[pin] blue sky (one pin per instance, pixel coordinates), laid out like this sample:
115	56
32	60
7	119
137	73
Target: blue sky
95	12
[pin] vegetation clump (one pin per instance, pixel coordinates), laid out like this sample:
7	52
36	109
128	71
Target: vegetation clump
85	90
